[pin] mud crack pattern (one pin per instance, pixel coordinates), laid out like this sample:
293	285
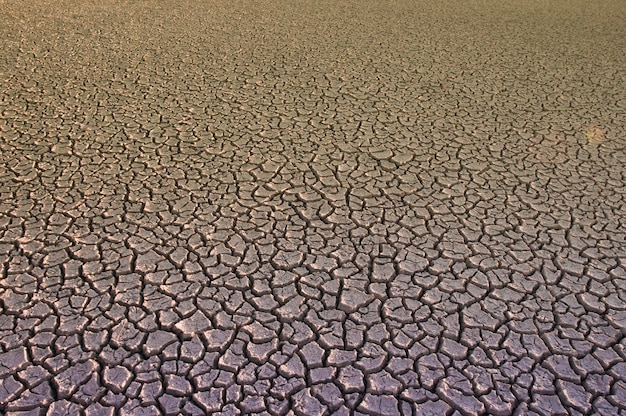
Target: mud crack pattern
312	208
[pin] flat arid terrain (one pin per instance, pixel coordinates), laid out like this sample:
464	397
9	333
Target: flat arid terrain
377	207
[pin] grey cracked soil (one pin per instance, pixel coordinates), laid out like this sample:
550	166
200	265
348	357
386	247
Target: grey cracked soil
313	207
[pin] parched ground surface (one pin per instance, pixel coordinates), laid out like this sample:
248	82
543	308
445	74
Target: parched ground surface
312	207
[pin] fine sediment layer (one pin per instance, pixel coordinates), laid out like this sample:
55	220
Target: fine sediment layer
313	207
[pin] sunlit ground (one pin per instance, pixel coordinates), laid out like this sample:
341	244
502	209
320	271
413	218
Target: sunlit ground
312	207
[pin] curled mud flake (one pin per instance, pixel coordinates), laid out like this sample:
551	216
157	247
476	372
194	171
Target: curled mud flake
595	134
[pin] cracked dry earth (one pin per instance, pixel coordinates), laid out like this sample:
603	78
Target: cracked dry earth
313	207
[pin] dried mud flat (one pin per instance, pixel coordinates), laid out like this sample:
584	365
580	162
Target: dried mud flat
312	207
